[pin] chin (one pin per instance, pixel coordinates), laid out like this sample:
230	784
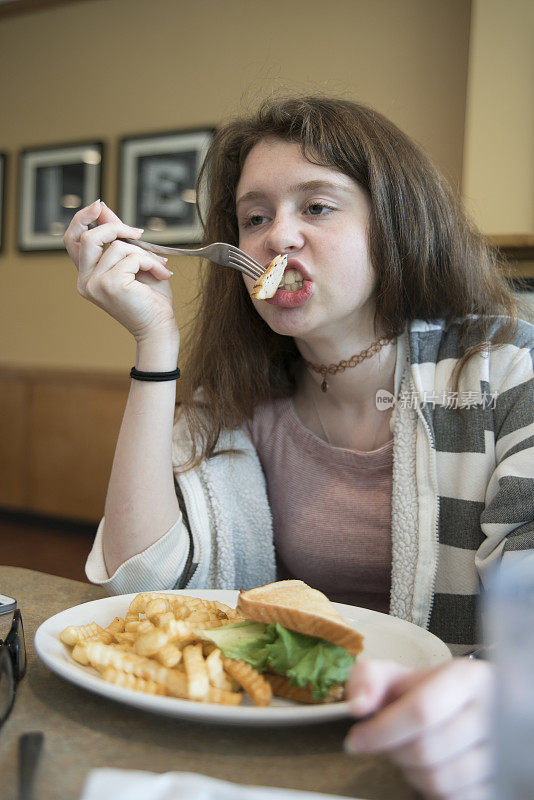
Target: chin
294	325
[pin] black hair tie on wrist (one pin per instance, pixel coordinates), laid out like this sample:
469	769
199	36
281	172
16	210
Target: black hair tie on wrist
173	375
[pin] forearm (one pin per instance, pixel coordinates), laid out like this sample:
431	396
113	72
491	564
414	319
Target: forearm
141	502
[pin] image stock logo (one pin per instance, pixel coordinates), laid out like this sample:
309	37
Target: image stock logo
384	400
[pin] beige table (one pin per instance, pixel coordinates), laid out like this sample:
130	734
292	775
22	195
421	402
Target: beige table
83	731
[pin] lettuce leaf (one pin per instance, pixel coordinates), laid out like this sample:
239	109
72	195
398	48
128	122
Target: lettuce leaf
241	640
305	660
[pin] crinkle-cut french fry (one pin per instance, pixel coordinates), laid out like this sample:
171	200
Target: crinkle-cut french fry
161	620
196	671
176	684
218	678
223	607
129	681
156	648
231	613
223	697
117	626
139	603
129	618
181	612
206	619
150	643
102	636
76	633
145	626
125	639
180	632
157	606
101	656
254	684
79	653
189	607
189	602
169	655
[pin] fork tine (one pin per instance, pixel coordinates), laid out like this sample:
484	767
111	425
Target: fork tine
253	271
242	266
245	258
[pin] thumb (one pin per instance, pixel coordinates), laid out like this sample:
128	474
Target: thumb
374	684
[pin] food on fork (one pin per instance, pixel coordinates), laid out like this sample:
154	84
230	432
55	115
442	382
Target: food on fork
284	639
267	284
294	636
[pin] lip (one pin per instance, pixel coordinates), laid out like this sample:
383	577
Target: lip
289	299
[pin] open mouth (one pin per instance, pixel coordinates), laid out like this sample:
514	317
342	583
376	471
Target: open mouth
292	280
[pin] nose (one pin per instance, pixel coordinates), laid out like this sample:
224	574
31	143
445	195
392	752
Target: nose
284	235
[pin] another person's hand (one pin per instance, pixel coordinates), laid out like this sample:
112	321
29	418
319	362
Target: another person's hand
433	723
129	283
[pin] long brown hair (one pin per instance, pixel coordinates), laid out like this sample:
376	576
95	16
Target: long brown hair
430	261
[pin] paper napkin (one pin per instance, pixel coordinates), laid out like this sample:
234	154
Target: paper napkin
120	784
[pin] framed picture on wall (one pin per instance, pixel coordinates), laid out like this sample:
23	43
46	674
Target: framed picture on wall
158	175
54	183
3	159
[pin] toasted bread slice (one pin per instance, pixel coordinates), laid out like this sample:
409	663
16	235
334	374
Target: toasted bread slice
298	607
267	284
281	687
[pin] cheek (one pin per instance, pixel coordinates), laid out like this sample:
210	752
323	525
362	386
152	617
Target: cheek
355	263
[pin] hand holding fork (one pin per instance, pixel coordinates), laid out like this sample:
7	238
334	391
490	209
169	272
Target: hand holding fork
129	278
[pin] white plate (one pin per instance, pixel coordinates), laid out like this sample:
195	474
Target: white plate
384	637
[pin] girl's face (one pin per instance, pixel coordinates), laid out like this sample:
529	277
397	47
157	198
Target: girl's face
318	217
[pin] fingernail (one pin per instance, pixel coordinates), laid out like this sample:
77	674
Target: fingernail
170	273
360	702
139	230
163	258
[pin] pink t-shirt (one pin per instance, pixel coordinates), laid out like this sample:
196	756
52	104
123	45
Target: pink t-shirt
331	508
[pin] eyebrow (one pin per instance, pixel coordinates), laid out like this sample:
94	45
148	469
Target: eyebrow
306	186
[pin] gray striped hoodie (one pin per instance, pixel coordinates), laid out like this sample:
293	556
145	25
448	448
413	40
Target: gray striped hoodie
462	498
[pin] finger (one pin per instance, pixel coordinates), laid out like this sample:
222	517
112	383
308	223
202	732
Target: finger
466	730
126	270
372	684
92	242
468	771
119	250
107	214
424	700
79	224
133	265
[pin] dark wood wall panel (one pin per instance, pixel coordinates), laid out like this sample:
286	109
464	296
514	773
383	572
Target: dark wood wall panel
58	432
14	414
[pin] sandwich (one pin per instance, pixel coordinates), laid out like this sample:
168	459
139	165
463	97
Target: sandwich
269	281
294	636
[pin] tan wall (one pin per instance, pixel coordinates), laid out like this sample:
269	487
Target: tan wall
499	143
109	68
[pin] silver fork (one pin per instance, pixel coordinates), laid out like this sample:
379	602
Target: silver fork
221	253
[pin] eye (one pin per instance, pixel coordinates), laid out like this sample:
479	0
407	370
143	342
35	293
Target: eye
253	221
317	209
